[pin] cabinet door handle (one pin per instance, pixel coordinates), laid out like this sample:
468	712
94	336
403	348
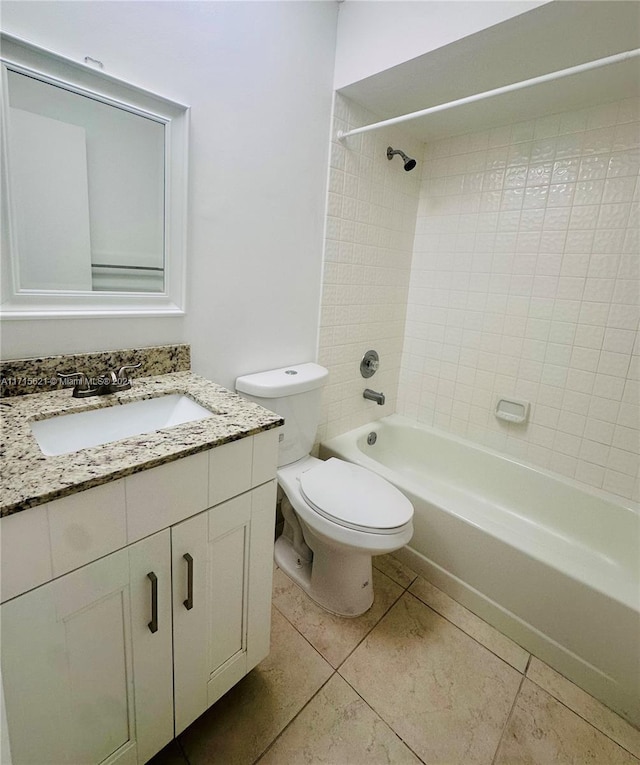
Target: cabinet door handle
188	603
153	624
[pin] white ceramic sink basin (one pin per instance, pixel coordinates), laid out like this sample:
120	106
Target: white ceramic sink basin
69	433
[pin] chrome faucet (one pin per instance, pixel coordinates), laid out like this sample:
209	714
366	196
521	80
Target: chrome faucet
373	395
119	381
111	382
82	388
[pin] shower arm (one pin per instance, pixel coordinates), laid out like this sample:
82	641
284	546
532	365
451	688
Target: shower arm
596	64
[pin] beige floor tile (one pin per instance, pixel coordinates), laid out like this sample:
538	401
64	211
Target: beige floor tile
238	728
333	636
395	569
338	728
484	633
585	705
541	731
445	695
170	755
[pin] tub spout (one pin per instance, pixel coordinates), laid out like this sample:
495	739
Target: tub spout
372	395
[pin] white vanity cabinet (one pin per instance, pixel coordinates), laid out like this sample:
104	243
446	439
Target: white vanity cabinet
85	680
107	662
222	598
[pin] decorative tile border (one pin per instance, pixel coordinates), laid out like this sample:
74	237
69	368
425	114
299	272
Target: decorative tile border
39	375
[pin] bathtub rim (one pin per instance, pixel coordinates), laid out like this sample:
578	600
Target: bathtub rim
614	693
621	587
615	499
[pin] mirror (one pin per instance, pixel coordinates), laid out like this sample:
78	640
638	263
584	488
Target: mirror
87	185
95	186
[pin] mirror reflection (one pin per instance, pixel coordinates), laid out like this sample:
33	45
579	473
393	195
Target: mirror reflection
87	183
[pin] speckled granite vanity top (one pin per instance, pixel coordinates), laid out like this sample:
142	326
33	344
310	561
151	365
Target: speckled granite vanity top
28	478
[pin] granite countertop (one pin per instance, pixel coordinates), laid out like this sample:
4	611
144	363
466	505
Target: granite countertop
29	478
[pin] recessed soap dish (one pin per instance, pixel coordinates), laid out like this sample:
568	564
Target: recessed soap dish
512	410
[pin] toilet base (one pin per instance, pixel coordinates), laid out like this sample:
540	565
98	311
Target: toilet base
340	582
291	563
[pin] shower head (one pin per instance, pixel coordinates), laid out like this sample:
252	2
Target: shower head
409	163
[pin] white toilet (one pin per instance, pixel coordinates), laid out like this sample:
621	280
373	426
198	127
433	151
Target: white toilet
337	514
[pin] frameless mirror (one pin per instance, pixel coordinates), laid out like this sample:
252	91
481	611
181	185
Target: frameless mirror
95	191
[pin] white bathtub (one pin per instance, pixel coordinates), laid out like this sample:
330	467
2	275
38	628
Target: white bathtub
553	566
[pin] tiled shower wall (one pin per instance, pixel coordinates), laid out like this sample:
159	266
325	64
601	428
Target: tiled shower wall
524	283
371	219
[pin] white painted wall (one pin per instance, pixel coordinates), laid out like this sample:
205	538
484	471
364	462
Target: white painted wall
374	36
258	78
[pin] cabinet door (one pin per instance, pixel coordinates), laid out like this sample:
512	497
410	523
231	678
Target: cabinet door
152	639
70	651
222	631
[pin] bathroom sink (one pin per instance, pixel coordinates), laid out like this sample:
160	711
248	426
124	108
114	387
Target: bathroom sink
69	433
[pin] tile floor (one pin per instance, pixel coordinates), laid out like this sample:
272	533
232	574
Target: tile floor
417	679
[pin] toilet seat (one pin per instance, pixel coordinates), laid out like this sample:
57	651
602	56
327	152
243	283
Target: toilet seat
354	497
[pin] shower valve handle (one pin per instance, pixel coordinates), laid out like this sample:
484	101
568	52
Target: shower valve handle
372	364
369	364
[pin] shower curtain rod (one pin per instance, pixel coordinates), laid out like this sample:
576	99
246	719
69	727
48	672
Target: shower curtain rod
615	59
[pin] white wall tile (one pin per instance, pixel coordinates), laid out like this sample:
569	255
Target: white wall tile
546	288
506	264
370	236
619	483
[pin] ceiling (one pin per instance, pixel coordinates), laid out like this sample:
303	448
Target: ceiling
549	38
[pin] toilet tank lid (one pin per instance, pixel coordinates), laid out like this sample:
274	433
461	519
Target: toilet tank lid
286	381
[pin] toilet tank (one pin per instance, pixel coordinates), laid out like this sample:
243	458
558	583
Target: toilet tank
294	393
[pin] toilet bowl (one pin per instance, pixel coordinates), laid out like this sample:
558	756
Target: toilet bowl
346	515
337	515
